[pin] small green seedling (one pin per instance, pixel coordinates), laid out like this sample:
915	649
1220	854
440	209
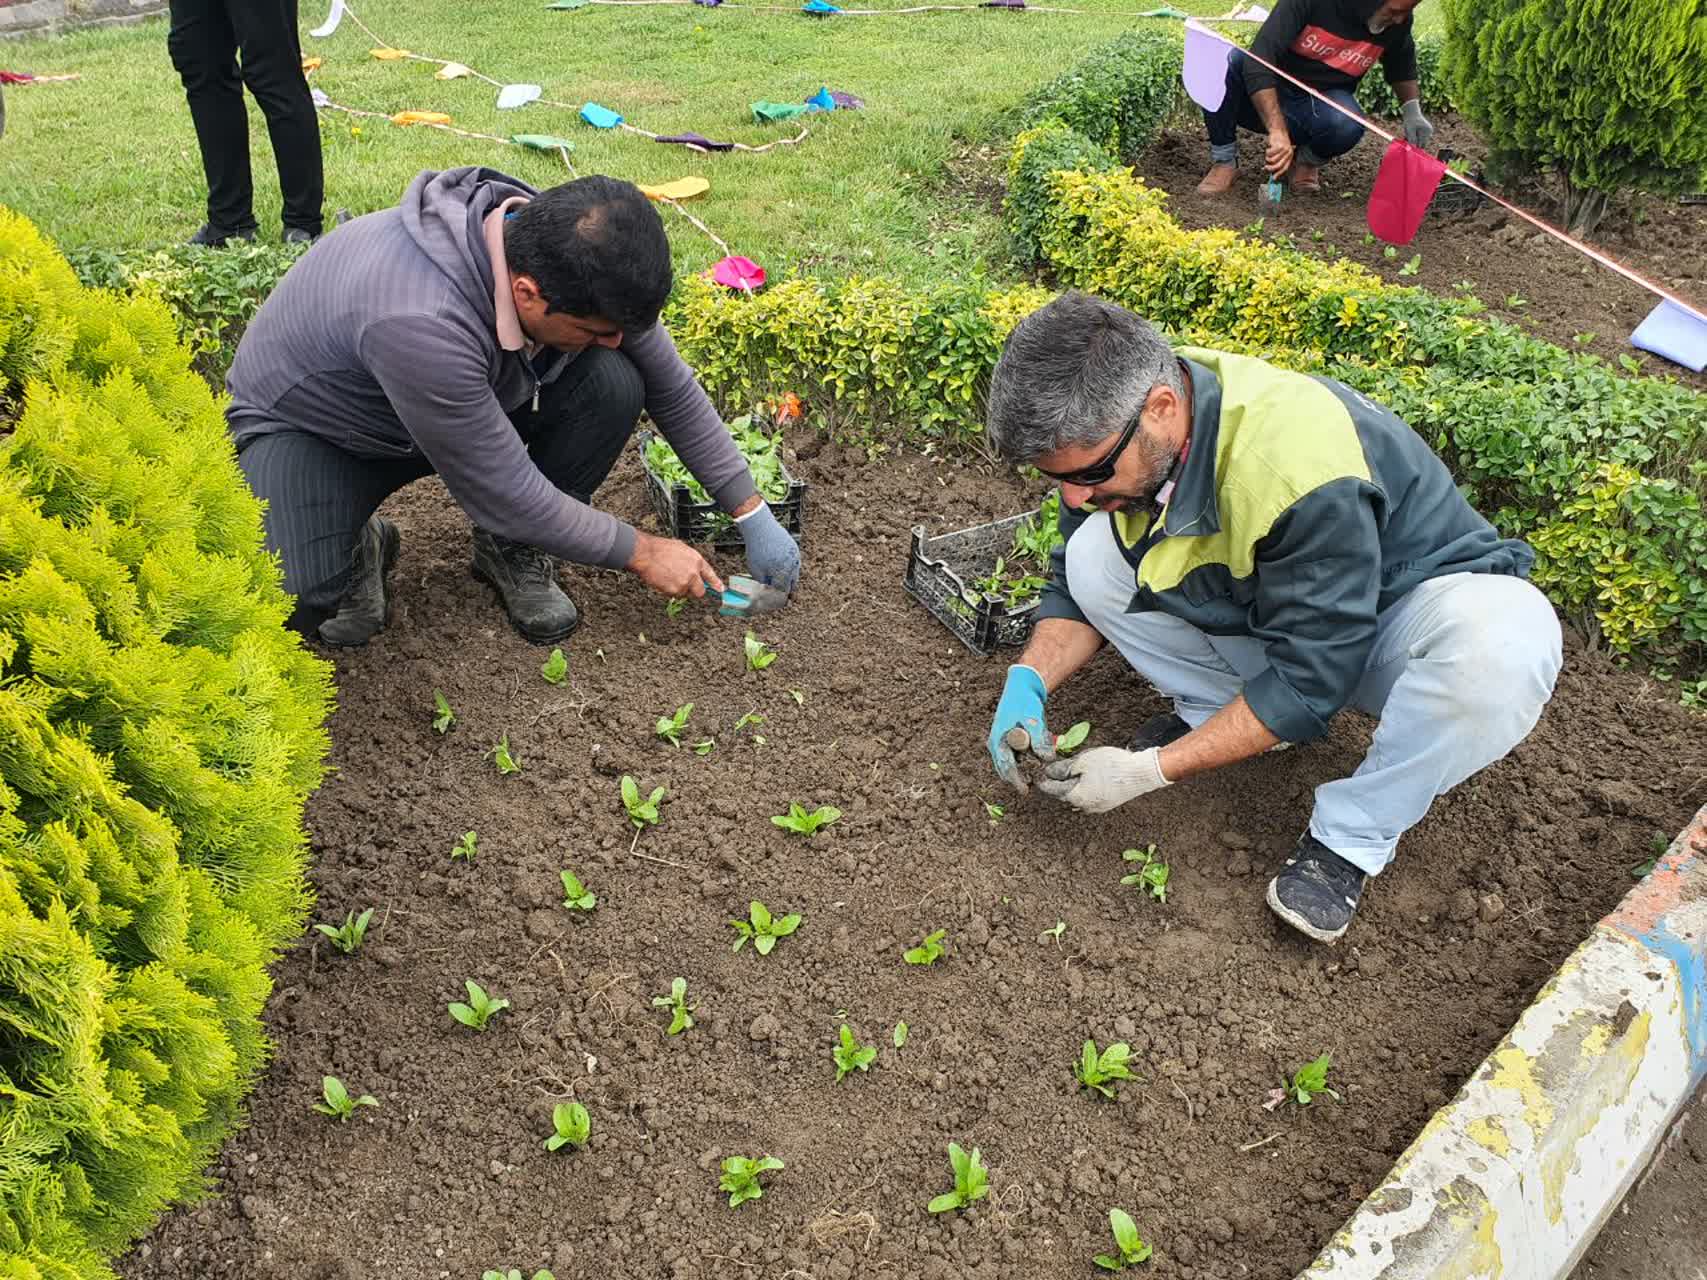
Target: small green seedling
1073	739
900	1034
670	727
1657	846
704	747
1413	266
762	929
348	936
929	950
1132	1248
572	1126
1055	933
1390	252
1152	873
555	669
681	1012
1309	1081
339	1105
576	896
507	763
851	1055
480	1009
443	716
798	696
741	1178
513	1274
674	608
802	822
971	1180
996	812
759	654
642	813
1095	1070
465	848
752	717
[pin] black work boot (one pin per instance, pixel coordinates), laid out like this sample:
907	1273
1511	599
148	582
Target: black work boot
212	237
525	579
361	613
1159	730
1317	891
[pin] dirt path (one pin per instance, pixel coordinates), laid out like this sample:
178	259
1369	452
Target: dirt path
448	1175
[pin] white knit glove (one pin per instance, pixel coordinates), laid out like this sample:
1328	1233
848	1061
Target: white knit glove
1104	778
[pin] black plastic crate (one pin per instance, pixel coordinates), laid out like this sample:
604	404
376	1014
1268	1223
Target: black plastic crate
1454	199
692	521
940	569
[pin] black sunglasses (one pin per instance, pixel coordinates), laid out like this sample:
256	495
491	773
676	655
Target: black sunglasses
1103	468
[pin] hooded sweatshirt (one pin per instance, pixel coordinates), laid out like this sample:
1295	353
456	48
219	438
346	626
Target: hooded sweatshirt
384	340
1328	45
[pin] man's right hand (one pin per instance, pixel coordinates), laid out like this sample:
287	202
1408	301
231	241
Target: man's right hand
1019	715
671	568
1278	158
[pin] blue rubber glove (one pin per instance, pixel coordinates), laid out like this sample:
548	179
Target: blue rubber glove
1021	708
773	556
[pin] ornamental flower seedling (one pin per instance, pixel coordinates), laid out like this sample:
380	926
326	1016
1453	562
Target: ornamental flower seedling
339	1105
576	896
971	1180
759	654
513	1274
1309	1081
996	812
681	1012
443	716
929	950
572	1126
556	668
741	1178
762	929
1152	873
704	747
348	936
465	847
1094	1070
1132	1248
480	1008
670	727
507	763
900	1034
642	813
804	823
674	608
851	1055
1073	739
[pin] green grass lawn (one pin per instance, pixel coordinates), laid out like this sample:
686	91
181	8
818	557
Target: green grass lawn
110	160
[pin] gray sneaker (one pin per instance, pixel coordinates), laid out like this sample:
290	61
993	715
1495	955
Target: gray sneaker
361	613
525	579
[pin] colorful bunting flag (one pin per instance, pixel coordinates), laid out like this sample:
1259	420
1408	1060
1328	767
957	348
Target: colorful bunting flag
695	140
420	117
600	117
333	18
821	101
542	141
818	8
452	71
769	112
846	101
1205	67
738	273
680	189
1003	4
1404	185
568	4
512	96
389	55
1677	334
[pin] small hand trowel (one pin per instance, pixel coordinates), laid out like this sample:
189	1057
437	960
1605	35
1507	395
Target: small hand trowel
744	596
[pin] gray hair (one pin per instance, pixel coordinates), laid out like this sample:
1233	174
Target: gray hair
1074	373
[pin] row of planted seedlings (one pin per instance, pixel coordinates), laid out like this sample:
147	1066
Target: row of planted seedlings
743	1178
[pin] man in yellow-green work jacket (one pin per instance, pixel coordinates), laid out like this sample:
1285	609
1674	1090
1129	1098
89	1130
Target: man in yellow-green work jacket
1265	548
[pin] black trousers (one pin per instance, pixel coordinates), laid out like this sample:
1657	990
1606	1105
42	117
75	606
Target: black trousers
318	496
204	41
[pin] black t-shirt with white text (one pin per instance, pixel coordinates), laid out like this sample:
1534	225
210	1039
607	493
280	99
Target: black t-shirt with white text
1328	45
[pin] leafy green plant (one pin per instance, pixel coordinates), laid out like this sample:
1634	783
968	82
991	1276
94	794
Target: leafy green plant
1309	1082
971	1180
681	1012
1413	266
759	654
929	950
338	1103
1133	1249
514	1274
1097	1071
556	668
741	1177
1073	739
762	450
507	763
1055	933
798	696
1037	537
466	847
670	727
704	746
1152	873
994	812
576	896
751	718
443	716
673	608
900	1036
762	928
851	1055
641	812
349	936
570	1124
480	1009
804	823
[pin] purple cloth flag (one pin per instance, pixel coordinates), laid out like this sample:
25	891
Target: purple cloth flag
1674	333
709	4
846	101
600	117
696	140
1205	71
1002	4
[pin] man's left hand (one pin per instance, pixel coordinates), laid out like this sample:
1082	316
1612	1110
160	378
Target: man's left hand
1104	778
773	556
1418	131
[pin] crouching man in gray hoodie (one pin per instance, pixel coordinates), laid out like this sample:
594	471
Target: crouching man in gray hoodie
506	339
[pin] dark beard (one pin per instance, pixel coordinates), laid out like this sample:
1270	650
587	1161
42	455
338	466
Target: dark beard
1158	463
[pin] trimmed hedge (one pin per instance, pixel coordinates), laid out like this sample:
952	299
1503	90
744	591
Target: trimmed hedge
160	730
1117	95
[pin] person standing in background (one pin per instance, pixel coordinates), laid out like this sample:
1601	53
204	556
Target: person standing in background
206	40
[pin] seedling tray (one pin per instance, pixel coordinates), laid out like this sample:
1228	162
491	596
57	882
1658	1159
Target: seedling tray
1454	199
692	521
940	569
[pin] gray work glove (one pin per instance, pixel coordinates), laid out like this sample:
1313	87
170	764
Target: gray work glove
1418	131
1104	778
773	556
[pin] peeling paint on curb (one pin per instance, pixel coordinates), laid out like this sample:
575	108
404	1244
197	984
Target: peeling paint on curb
1514	1177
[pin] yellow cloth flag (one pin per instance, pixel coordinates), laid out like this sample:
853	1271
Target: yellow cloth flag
452	71
680	189
420	117
389	55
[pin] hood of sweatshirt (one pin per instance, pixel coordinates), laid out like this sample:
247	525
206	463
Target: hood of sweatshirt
444	214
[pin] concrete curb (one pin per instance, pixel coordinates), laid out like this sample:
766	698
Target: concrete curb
1515	1176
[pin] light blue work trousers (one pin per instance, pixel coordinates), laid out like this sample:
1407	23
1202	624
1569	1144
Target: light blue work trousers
1460	670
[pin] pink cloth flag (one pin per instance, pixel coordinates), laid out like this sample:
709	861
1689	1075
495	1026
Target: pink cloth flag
739	273
1402	191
